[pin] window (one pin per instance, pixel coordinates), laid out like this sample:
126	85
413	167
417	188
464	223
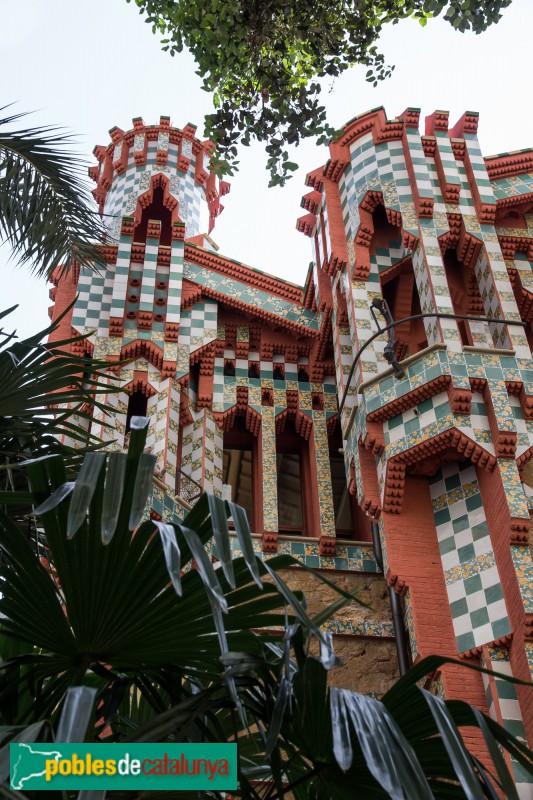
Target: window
341	498
290	512
239	465
137	407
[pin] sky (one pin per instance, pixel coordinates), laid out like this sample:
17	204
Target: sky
89	65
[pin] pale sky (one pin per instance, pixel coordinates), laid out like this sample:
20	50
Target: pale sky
95	64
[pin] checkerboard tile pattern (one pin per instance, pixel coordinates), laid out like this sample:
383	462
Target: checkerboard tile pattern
436	278
120	280
93	305
477	606
503	705
146	302
447	158
420	168
201	455
121	199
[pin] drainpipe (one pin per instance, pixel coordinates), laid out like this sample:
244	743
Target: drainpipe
396	606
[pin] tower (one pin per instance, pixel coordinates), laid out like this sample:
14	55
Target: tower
439	456
151	184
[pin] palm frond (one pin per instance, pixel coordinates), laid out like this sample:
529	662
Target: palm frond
43	392
45	209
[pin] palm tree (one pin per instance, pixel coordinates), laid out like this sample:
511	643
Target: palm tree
45	212
171	647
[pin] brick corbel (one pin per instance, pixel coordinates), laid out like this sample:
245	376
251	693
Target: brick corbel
526	403
374	438
326	546
144	320
528	628
460	399
171	331
112	365
269	542
116	326
168	370
394	487
396	583
520	531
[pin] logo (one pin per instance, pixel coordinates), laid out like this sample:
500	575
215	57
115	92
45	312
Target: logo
135	766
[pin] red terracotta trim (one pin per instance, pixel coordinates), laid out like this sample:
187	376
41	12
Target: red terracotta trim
509	164
243	274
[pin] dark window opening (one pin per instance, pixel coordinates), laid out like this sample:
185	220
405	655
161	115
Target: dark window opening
402	297
155	211
295	501
342	499
194	379
267	397
464	331
137	407
253	369
237	472
303	375
464	293
279	372
238	466
289	481
229	369
318	401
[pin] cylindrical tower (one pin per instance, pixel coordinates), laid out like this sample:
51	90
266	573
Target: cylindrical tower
151	182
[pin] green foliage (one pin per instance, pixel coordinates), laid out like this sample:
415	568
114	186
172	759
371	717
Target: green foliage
265	60
134	636
46	215
34	375
120	610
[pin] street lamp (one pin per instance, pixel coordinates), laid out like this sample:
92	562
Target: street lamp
382	306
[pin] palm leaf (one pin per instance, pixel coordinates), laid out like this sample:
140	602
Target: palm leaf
33	375
45	212
100	609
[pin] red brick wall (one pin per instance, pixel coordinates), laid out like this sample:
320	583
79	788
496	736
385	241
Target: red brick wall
414	558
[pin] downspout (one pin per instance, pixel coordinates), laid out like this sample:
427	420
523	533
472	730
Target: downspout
396	606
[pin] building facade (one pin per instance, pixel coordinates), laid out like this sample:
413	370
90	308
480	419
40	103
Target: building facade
242	375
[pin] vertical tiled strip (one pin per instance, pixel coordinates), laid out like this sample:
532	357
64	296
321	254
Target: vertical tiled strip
270	484
438	292
175	281
173	424
120	284
323	473
149	275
